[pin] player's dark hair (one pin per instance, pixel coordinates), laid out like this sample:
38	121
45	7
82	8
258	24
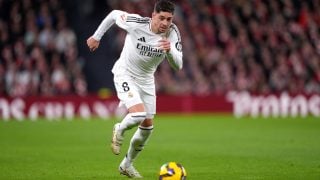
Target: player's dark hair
164	6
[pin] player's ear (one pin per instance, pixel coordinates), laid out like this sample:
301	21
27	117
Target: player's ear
153	14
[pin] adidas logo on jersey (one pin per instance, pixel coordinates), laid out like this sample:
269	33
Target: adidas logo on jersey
142	39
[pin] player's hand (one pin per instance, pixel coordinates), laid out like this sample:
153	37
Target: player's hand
164	45
92	43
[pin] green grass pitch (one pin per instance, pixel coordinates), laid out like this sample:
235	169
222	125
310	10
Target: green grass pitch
209	146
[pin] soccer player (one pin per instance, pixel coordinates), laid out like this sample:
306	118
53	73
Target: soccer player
148	42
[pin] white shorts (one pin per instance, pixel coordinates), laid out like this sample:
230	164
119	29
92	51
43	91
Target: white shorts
131	92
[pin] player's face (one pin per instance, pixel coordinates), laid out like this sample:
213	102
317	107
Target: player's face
161	21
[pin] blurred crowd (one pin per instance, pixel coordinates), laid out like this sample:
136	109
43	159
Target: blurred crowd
39	54
253	45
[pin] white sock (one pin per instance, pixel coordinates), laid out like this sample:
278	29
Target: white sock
131	120
138	140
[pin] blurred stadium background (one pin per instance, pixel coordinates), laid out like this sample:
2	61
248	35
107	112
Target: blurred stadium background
242	58
253	49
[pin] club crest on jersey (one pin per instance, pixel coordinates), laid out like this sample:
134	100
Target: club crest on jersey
179	46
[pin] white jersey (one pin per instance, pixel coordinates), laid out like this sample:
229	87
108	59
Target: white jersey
141	56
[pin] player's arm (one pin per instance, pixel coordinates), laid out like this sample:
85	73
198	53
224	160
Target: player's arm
174	56
94	40
92	43
173	48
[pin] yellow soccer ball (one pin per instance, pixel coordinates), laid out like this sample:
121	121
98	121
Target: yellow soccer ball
172	171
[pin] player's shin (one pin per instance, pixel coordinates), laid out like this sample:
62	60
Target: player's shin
137	143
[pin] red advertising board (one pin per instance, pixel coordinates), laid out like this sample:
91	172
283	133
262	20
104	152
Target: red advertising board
238	103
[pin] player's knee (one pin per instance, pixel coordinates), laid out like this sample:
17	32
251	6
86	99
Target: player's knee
146	123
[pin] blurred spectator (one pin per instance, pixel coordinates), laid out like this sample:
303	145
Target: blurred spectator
38	50
65	38
257	46
253	45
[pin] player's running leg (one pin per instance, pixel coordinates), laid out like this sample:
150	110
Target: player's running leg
129	170
137	143
129	96
131	120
